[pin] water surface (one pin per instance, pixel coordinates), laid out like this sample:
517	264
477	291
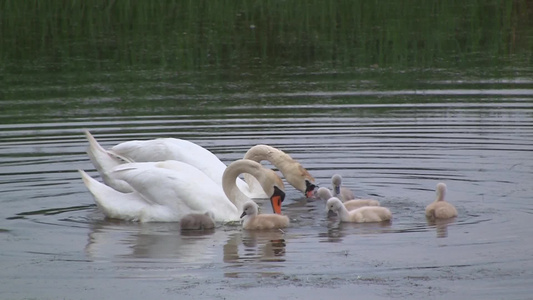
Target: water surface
394	124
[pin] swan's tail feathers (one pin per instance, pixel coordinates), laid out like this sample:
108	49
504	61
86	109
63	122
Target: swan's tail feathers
104	160
114	204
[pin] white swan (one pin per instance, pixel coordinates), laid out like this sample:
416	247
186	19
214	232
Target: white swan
198	221
363	214
160	150
182	150
166	191
440	209
325	194
255	221
340	191
295	174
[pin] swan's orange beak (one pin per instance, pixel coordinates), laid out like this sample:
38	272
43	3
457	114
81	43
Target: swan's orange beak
276	204
276	200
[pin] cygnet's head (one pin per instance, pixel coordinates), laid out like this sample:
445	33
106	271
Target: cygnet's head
249	209
324	193
334	204
336	181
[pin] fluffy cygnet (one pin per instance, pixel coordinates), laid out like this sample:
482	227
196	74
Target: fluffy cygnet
440	209
198	221
340	191
254	221
363	214
325	194
358	203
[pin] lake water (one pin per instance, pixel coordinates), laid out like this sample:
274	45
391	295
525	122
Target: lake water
393	132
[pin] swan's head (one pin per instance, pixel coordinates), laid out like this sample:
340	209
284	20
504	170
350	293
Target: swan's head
309	189
336	181
293	171
300	178
249	209
441	191
334	204
324	193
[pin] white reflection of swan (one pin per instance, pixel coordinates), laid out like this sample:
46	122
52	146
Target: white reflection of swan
116	241
267	245
109	241
441	226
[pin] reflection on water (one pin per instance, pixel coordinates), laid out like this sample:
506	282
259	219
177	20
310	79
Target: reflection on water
248	250
119	239
249	245
395	155
336	230
388	145
441	226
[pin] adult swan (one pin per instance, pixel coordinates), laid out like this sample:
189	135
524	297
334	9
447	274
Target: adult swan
168	190
160	150
182	150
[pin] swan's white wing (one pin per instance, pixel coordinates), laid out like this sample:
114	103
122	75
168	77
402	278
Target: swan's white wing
173	149
183	151
178	186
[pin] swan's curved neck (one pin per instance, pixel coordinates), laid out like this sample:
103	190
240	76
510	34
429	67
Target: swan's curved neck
230	176
294	173
264	152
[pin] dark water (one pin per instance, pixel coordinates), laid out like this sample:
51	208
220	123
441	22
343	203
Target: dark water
393	126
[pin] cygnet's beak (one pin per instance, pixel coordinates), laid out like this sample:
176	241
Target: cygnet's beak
330	213
243	214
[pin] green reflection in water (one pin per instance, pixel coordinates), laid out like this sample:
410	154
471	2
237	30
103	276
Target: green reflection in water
188	35
106	58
